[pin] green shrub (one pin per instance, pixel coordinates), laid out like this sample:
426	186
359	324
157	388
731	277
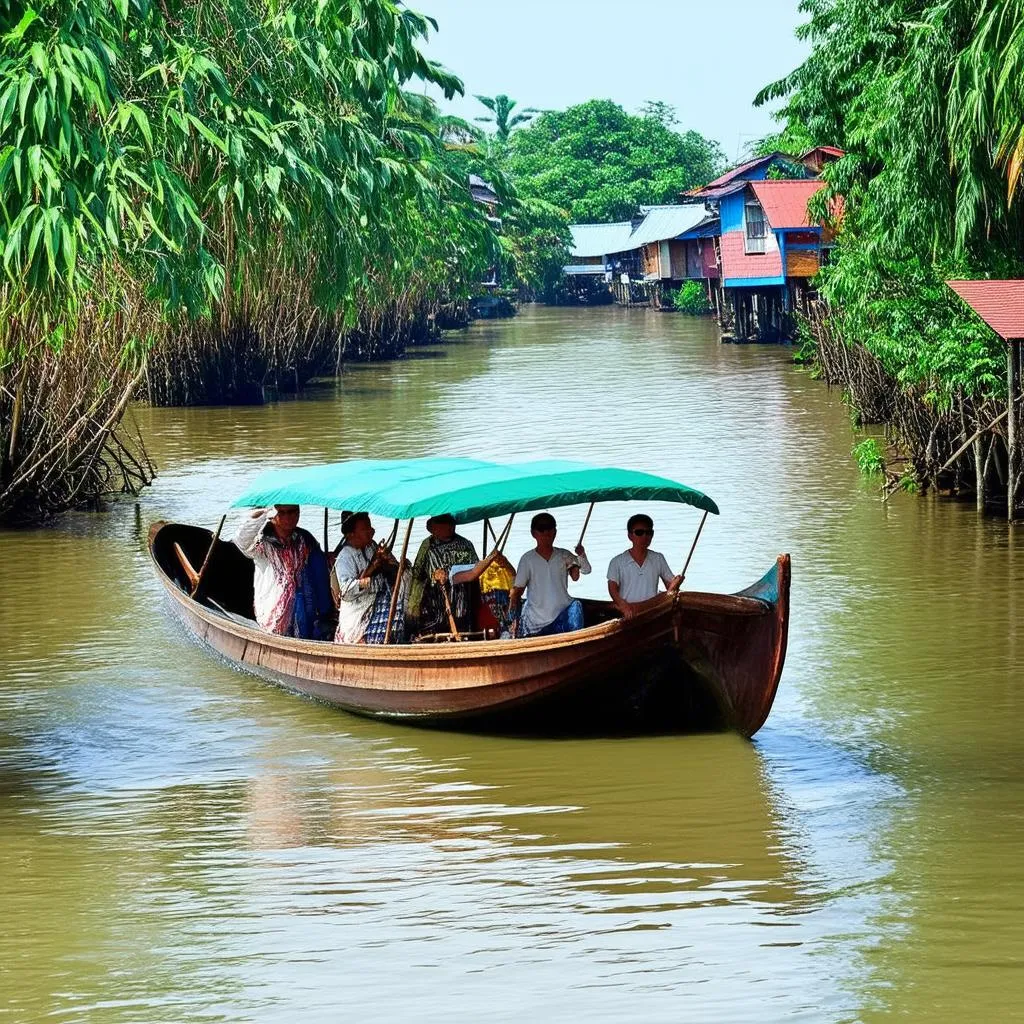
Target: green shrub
869	456
691	298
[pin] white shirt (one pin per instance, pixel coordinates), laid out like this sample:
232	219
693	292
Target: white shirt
639	582
547	586
357	601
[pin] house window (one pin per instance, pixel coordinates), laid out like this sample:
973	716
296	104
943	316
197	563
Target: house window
756	228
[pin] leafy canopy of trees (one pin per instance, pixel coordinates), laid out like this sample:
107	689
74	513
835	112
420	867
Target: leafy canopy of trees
926	98
599	163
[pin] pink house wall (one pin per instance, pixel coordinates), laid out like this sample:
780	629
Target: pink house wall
737	264
708	257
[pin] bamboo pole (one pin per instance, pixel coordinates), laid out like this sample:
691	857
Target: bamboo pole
975	436
505	534
693	547
206	561
586	523
398	581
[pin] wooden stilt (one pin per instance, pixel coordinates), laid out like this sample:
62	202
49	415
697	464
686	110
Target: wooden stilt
1012	429
979	473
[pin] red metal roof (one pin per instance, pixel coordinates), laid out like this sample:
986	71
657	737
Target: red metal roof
831	150
721	185
785	202
999	303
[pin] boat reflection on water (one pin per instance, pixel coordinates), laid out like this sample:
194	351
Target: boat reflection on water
708	823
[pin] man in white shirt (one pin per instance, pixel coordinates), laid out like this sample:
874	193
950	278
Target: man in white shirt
544	573
633	576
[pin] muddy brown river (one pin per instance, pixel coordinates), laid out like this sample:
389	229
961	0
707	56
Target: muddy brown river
182	842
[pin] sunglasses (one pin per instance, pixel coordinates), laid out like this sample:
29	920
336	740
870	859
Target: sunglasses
643	533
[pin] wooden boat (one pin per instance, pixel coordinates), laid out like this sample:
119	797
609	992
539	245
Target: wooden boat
686	662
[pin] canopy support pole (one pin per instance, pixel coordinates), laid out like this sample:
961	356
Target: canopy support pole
693	547
487	529
393	537
326	514
505	534
398	581
206	560
586	523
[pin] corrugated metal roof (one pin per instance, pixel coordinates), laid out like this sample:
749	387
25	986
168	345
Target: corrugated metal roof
999	303
730	181
600	239
785	202
666	222
660	223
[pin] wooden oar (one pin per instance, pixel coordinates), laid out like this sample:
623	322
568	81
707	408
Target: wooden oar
193	576
206	561
441	579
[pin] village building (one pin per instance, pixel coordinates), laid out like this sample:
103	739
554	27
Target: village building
639	260
769	249
746	236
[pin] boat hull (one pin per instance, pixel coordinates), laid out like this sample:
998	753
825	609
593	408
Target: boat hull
691	662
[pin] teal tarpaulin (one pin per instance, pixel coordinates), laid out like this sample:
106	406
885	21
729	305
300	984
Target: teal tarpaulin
468	489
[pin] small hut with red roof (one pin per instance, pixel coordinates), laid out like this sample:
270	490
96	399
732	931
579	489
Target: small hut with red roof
1001	305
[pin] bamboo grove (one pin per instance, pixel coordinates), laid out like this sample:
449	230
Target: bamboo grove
926	98
200	199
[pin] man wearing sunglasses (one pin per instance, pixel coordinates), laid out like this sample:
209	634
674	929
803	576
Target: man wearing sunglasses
633	576
544	574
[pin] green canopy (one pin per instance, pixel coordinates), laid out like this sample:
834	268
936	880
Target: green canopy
468	489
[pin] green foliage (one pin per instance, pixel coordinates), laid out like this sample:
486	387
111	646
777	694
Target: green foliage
178	139
599	163
870	457
691	298
924	96
501	115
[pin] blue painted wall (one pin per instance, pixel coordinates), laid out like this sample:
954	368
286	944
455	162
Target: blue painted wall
752	282
730	209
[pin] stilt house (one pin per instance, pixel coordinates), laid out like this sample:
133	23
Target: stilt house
768	248
659	249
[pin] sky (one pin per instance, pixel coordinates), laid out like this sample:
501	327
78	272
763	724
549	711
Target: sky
707	59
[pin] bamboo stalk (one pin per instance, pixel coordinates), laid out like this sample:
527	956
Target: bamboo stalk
693	546
398	583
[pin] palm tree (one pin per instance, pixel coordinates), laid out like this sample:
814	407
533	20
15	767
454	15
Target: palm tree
503	119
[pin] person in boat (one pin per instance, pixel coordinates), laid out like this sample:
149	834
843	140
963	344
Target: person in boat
291	591
495	576
425	609
364	579
544	575
633	576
